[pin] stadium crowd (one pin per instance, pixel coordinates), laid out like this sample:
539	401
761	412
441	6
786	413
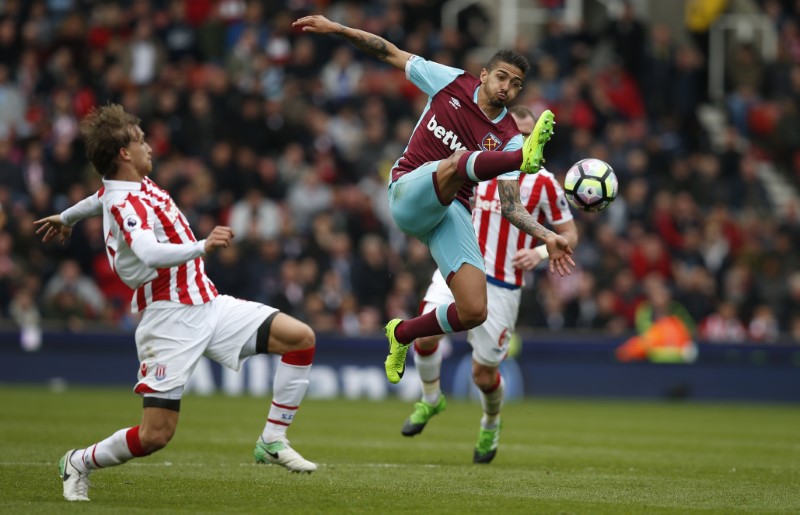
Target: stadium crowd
288	138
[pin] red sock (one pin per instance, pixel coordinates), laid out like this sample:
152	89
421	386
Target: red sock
134	443
482	166
425	352
299	357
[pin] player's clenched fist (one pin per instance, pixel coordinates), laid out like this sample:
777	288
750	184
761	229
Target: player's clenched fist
221	236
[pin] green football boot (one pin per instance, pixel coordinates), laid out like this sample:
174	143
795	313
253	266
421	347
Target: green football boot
533	147
486	448
281	453
396	360
421	415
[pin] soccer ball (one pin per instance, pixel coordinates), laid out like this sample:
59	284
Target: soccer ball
590	185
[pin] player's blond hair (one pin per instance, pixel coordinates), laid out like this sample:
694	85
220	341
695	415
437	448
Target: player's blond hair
105	130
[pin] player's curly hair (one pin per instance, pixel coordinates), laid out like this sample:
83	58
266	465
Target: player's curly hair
106	129
510	57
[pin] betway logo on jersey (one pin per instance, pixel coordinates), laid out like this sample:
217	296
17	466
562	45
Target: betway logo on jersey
447	136
485	204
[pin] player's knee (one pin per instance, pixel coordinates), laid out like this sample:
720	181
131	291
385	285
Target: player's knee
155	440
484	377
450	164
304	338
427	344
473	315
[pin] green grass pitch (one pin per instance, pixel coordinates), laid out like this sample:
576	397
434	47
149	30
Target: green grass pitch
555	456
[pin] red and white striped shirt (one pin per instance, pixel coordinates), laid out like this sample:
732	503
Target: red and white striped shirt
499	240
148	242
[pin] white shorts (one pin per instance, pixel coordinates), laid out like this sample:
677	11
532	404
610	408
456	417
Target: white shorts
171	338
491	339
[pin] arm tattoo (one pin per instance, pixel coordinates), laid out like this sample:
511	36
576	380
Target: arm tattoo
369	43
513	210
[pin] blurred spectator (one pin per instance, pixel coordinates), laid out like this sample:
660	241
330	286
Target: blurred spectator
72	297
308	196
649	256
371	277
144	56
26	315
10	43
607	317
229	277
723	325
658	304
582	311
255	218
621	90
36	170
341	75
794	329
199	129
9	272
627	34
12	106
178	35
664	329
763	326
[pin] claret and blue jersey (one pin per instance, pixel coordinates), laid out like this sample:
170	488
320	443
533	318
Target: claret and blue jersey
452	121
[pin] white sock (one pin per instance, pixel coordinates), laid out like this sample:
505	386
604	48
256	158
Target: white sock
492	403
289	387
107	453
429	368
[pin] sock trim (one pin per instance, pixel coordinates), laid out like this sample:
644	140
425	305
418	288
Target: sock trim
470	167
423	352
282	406
134	443
441	317
300	358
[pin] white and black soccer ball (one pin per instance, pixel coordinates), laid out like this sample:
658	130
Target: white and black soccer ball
590	185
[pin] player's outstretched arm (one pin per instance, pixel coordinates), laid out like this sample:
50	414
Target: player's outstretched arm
61	224
156	254
51	226
512	209
528	259
366	41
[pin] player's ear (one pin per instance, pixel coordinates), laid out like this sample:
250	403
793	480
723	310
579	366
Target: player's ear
484	74
123	154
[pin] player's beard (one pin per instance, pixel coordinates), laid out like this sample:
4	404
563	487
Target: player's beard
496	102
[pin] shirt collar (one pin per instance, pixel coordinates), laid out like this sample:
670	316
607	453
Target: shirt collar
499	116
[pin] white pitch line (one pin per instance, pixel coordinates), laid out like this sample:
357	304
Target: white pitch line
201	465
